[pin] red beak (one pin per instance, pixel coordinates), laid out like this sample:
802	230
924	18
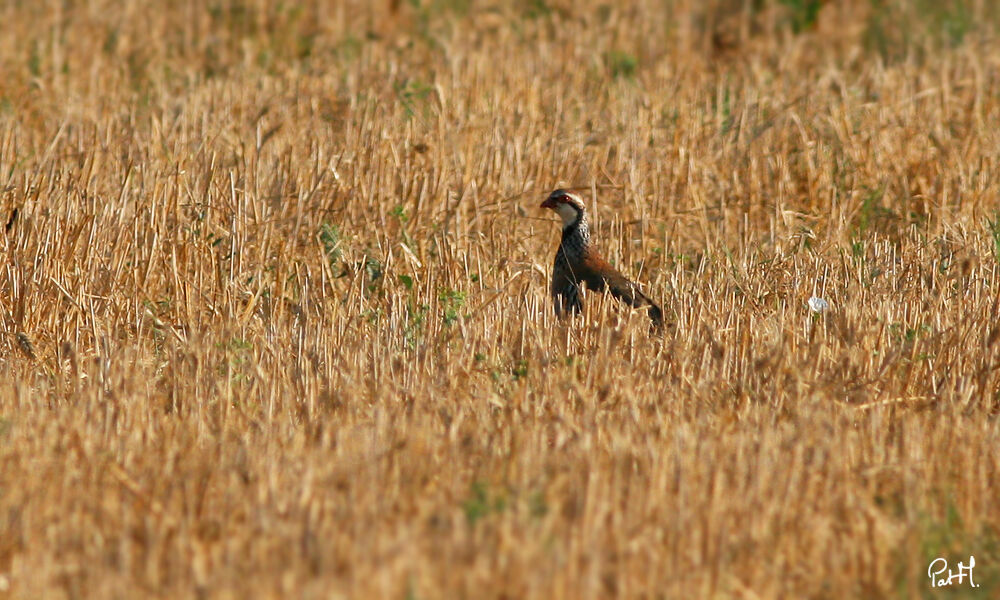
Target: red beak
549	203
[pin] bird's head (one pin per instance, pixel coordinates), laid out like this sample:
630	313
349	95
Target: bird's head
568	205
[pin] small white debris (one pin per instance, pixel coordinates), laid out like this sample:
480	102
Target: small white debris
410	255
818	305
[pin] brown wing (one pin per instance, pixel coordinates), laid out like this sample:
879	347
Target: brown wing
599	275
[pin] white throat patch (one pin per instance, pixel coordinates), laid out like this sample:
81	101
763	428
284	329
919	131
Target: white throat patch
568	213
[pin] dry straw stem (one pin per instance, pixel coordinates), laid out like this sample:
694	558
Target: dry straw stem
276	320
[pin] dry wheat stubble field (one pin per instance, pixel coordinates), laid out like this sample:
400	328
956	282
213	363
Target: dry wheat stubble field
275	315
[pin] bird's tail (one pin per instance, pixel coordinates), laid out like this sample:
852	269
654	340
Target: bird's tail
634	297
656	315
654	312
